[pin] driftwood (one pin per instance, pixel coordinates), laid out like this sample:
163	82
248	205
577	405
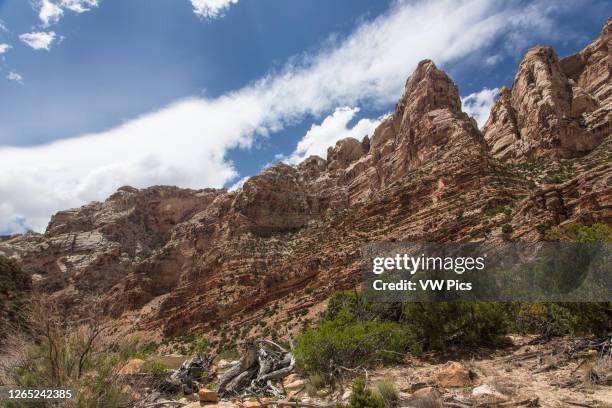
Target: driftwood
574	350
262	362
190	375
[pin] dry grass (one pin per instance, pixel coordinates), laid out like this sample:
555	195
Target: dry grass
59	353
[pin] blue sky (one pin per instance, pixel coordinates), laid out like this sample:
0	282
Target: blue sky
96	94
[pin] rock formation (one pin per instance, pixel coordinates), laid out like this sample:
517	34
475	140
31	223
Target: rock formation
558	109
179	260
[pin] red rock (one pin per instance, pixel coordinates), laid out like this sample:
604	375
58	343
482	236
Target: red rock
555	108
200	258
206	395
132	366
454	375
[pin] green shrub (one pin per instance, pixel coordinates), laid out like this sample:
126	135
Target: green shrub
580	233
201	344
567	318
316	381
433	326
154	367
228	353
68	356
387	392
361	397
347	342
15	287
353	302
97	385
555	319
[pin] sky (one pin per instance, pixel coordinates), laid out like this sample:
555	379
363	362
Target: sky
97	94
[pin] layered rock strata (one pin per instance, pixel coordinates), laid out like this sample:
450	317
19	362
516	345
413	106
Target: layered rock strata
179	260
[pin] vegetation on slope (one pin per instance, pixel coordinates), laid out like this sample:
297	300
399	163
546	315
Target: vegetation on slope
15	288
354	333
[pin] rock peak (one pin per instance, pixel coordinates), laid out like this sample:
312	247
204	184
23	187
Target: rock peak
607	28
428	89
555	108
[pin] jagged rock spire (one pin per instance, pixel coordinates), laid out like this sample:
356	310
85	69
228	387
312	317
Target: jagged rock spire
548	113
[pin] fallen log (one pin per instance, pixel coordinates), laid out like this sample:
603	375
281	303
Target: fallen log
245	363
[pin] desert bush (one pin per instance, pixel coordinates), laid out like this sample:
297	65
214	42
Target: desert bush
549	319
15	286
362	397
353	302
577	232
154	367
346	342
555	319
316	381
63	354
433	326
354	332
387	392
201	344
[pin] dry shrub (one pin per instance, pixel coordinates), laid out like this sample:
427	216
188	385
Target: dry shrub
387	391
60	352
598	372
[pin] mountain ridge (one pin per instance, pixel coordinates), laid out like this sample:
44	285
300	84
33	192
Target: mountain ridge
172	260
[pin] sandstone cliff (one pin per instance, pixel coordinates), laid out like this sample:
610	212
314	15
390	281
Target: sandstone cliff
179	260
555	108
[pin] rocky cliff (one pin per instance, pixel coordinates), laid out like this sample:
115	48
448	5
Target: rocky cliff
179	260
555	108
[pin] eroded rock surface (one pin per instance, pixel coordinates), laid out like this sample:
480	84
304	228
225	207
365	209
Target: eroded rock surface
179	260
556	108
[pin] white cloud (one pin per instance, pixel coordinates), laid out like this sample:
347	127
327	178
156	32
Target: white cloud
40	40
333	128
79	6
11	219
14	76
49	12
4	48
185	144
479	104
493	59
211	9
238	184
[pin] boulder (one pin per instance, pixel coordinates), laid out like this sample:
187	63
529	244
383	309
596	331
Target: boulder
133	366
455	374
207	395
487	393
427	392
293	382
